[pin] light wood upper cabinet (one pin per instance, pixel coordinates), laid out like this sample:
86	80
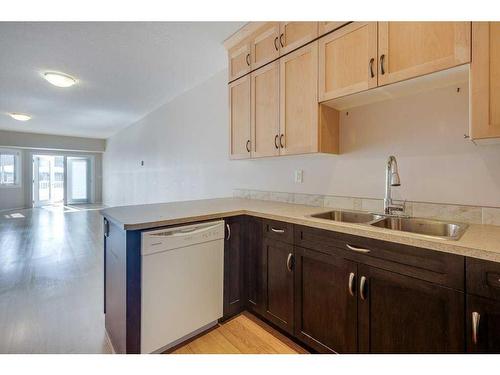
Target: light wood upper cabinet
485	81
239	62
299	101
296	34
265	44
348	60
411	49
265	110
327	26
239	118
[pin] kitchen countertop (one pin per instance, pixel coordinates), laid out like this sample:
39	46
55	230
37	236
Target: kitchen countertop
478	241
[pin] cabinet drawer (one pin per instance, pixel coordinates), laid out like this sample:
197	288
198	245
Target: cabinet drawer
278	230
424	264
483	278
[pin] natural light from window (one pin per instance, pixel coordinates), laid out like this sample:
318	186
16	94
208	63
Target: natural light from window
9	167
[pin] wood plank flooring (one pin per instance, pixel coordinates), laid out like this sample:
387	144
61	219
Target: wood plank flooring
51	281
51	291
244	334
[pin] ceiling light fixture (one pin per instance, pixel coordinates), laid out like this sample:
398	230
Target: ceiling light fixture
59	79
20	116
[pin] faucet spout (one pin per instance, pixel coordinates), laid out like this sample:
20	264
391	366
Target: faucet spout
391	179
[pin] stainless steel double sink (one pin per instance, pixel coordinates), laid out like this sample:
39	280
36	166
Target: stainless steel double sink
425	227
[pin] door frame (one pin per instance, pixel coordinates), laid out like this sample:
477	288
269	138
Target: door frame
68	172
29	172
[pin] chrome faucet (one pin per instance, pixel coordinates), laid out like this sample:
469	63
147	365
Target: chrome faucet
391	179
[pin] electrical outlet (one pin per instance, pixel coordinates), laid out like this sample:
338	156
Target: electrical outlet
299	176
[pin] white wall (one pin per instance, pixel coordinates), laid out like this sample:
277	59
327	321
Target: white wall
184	146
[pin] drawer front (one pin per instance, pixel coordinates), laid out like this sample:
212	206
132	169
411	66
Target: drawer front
424	264
278	230
483	278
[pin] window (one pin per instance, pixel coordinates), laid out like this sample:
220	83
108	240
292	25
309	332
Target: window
10	164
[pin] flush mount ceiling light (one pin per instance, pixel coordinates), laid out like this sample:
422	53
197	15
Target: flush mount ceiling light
59	79
20	116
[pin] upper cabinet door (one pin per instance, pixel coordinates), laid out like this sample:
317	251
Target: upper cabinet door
265	110
485	81
299	101
265	44
348	60
296	34
327	26
239	60
411	49
239	118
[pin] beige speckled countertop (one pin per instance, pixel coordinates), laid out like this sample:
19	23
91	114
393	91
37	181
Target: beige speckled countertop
479	241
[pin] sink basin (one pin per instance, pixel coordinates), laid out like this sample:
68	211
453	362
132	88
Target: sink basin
348	216
439	229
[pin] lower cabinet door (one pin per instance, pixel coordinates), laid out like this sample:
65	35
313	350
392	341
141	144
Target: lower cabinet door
483	325
278	283
253	264
233	268
400	314
325	302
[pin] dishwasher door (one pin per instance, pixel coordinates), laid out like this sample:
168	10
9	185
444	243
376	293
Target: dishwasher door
182	283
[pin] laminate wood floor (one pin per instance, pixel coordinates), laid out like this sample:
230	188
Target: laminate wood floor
244	334
51	282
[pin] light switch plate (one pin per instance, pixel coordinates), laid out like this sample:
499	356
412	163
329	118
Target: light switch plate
299	176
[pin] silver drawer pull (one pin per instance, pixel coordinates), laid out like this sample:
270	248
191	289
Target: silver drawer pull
277	230
475	326
358	249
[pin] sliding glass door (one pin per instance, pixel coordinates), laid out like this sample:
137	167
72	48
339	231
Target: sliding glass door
59	180
48	180
78	180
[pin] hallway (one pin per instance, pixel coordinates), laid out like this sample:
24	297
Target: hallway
51	281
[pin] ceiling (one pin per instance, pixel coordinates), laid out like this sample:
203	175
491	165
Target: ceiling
125	70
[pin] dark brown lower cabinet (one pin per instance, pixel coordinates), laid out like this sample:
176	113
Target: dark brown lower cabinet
278	283
253	264
325	301
401	314
483	325
234	292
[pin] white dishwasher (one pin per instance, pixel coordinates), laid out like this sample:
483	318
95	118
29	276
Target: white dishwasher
182	283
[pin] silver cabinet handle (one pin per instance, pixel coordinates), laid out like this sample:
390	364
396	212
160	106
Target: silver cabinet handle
382	59
106	228
362	288
357	249
228	232
289	264
475	326
277	230
351	283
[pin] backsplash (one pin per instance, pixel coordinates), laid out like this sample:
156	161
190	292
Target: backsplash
466	214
